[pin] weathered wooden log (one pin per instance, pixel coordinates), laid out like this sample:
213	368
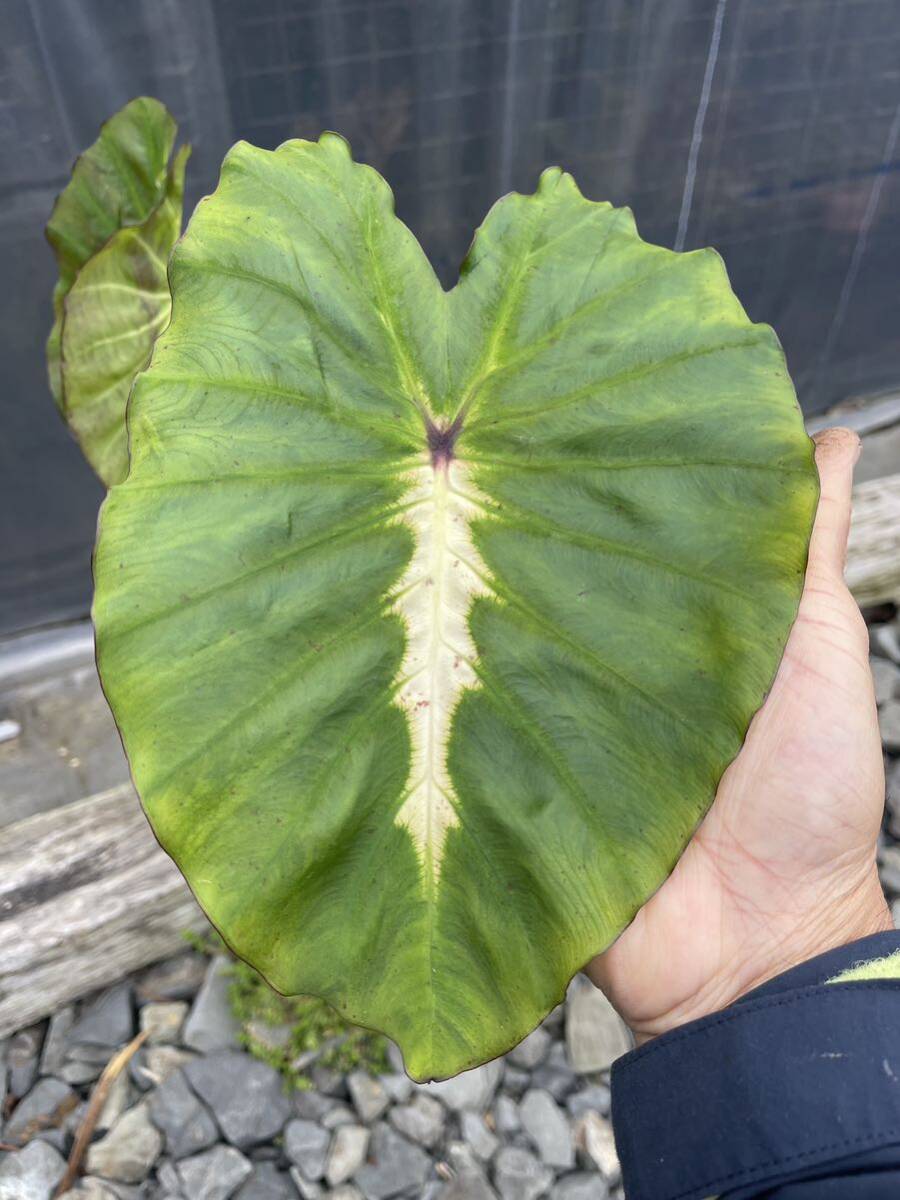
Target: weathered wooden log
873	555
86	895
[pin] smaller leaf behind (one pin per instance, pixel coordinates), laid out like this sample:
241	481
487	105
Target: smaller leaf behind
118	181
115	310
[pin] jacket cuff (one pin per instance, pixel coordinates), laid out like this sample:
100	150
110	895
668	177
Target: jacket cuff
797	1073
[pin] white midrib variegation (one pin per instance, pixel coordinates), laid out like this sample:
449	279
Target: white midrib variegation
434	598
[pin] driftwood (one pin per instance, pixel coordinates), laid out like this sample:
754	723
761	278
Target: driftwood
86	895
873	555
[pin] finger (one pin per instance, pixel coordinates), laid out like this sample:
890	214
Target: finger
836	453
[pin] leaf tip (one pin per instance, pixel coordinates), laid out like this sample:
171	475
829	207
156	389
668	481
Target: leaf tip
550	179
554	179
335	143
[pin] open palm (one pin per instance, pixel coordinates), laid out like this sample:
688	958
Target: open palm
783	866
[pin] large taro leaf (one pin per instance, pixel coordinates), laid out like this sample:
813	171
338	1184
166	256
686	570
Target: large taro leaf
113	313
430	620
118	181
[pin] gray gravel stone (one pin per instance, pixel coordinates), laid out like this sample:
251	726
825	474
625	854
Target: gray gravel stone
893	782
506	1116
346	1154
328	1081
347	1191
178	978
595	1033
23	1053
476	1133
215	1174
267	1153
106	1021
471	1188
267	1183
472	1089
168	1177
339	1114
118	1100
76	1072
306	1145
127	1153
32	1173
515	1080
889	868
463	1162
395	1058
886	676
96	1055
308	1189
596	1146
152	1065
885	641
555	1020
519	1176
182	1118
593	1098
555	1075
422	1120
311	1105
54	1053
246	1096
396	1166
163	1022
545	1124
44	1106
398	1087
211	1024
889	724
583	1185
532	1051
90	1188
126	1191
369	1097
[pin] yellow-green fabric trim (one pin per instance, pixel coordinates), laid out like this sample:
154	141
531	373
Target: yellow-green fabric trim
877	968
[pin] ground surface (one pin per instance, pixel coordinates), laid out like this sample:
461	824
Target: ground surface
194	1116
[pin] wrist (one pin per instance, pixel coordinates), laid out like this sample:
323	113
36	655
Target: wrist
854	914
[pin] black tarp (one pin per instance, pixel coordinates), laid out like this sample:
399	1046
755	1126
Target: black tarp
769	130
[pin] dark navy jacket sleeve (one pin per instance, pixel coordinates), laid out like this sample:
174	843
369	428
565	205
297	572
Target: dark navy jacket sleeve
792	1093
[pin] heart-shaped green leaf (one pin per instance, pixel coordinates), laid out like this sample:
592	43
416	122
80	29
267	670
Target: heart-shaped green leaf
430	620
117	181
113	314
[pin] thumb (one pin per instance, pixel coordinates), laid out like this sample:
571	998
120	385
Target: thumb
836	453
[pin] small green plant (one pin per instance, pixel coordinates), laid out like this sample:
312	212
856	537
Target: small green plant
293	1033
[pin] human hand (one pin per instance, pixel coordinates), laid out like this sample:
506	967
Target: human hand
783	866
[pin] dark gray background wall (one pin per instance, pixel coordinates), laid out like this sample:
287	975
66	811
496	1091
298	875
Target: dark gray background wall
769	130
